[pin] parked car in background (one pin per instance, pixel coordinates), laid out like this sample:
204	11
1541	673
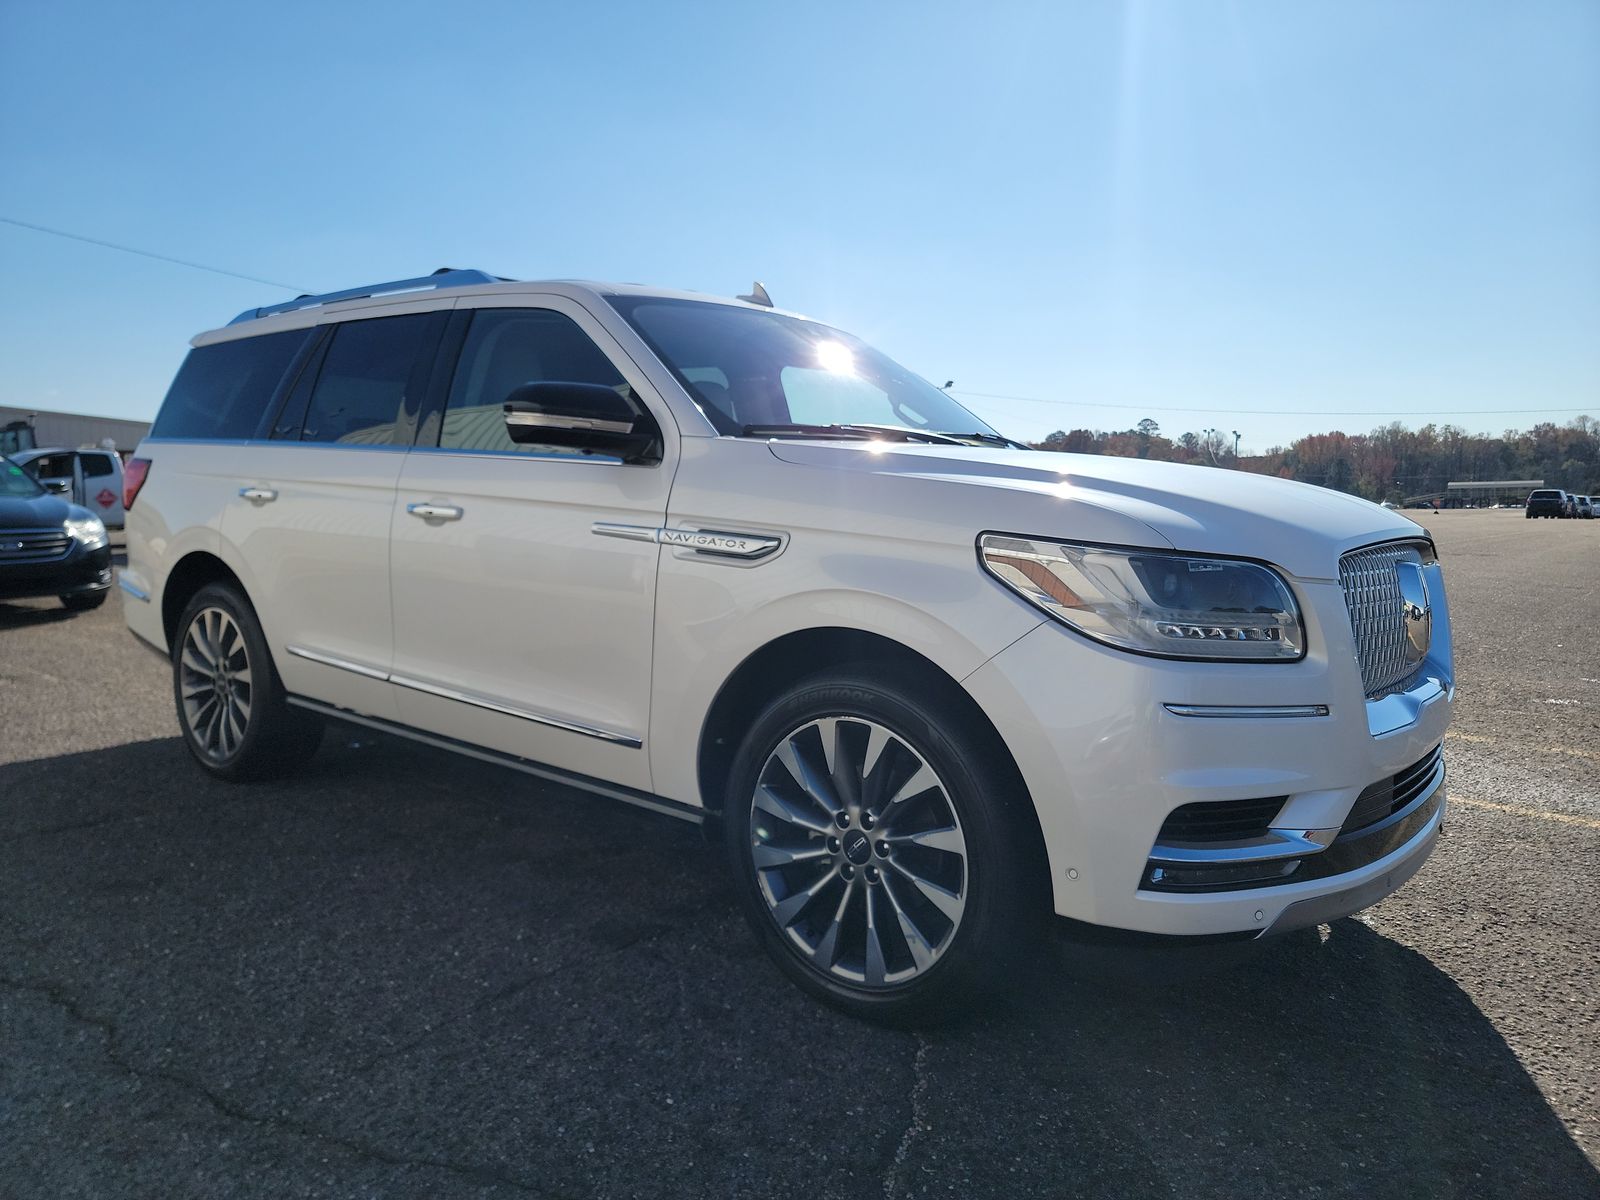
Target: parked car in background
48	545
737	567
93	478
1584	506
1546	502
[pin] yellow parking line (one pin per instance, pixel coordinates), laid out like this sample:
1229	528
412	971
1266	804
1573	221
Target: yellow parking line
1592	755
1519	811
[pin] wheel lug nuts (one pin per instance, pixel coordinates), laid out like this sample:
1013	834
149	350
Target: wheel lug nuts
847	871
866	820
882	848
833	845
842	820
872	874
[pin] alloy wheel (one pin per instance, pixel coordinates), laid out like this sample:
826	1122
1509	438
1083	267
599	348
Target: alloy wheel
214	683
858	851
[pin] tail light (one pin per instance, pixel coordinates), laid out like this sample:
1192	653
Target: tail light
134	474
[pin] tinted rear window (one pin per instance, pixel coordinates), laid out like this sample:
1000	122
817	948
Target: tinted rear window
222	390
1544	496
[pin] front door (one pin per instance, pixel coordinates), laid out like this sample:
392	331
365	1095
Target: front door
516	626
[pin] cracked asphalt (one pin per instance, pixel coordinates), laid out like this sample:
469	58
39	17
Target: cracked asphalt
407	974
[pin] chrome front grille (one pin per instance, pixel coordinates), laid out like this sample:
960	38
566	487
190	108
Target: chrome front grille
33	545
1377	614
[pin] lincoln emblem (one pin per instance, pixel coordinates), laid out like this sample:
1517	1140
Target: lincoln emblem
1417	614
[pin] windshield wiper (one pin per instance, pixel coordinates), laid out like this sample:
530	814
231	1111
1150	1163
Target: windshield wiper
988	439
870	432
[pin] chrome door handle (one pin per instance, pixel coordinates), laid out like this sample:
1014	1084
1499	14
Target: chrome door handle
435	512
258	495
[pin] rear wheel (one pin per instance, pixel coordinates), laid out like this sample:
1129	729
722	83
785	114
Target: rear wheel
236	719
881	848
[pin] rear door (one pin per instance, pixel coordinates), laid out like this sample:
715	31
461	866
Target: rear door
311	519
517	625
101	474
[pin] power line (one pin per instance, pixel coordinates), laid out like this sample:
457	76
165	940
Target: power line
182	262
1278	412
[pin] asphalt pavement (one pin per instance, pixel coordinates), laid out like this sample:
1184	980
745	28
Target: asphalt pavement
404	973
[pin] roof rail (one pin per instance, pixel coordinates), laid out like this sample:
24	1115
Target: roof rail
444	277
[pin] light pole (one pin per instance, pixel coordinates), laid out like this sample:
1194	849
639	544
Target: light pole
1235	443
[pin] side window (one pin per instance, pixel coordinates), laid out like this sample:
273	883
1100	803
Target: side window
504	349
363	381
96	464
52	466
222	390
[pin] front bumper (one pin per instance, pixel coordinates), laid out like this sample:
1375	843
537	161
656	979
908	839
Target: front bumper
1111	744
78	572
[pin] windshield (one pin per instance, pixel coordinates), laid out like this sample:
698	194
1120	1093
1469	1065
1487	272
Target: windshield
748	368
15	482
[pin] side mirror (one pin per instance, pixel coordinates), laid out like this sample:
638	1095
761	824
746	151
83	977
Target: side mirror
57	487
583	416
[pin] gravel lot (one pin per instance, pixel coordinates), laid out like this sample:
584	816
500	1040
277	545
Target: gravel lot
408	974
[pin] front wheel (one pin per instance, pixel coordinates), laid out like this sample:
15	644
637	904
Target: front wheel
882	847
235	717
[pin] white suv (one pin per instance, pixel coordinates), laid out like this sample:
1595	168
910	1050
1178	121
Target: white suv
740	568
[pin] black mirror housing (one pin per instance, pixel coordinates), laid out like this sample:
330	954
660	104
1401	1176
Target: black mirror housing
590	417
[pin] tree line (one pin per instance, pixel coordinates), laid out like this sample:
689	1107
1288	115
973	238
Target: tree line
1390	463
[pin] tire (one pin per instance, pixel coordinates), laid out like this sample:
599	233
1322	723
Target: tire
84	602
964	829
251	732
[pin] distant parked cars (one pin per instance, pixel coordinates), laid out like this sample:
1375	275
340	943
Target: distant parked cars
1547	502
93	478
49	547
1585	507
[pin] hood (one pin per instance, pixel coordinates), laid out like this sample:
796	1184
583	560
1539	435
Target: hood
33	512
1296	526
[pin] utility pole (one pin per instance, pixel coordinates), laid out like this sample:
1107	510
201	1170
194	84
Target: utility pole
1235	444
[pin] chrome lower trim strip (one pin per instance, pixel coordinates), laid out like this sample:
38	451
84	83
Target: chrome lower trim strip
136	593
1275	843
614	791
1247	711
472	698
343	664
510	710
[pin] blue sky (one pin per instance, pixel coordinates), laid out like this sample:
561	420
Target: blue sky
1304	209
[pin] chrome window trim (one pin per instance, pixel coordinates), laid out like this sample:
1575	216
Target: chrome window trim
594	460
1247	711
489	703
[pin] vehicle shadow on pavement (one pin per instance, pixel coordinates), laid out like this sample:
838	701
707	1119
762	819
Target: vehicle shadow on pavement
402	973
20	616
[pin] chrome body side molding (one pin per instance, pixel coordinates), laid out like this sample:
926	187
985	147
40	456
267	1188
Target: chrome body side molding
715	543
333	660
614	791
511	710
473	698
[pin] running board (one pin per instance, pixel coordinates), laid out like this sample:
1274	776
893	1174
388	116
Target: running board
614	791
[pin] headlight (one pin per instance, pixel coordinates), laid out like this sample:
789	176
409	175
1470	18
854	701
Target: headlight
90	530
1176	605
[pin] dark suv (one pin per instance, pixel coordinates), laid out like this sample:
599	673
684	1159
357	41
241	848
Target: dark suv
1547	502
49	547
